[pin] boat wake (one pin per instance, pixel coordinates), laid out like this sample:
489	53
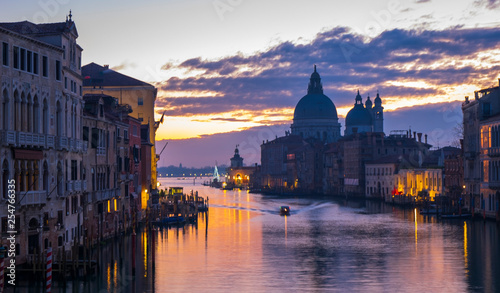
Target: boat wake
294	209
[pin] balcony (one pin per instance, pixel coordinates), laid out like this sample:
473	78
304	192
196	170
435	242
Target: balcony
493	152
69	186
61	143
8	138
77	184
32	198
26	139
51	141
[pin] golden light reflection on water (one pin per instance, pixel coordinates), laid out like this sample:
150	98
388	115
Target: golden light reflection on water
416	229
145	246
108	273
227	225
286	230
466	254
246	242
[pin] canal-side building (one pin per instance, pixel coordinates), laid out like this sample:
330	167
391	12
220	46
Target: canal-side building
365	147
40	135
103	200
134	186
139	95
333	176
406	178
278	162
482	151
454	176
240	176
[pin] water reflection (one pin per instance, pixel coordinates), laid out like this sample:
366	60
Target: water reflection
323	245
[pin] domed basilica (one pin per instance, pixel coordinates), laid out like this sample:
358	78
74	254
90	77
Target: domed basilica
316	117
315	114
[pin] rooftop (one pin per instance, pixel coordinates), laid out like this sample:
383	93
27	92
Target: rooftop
95	75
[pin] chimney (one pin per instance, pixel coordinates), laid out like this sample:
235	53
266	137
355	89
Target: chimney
419	136
499	82
466	99
426	138
106	66
415	135
407	133
476	95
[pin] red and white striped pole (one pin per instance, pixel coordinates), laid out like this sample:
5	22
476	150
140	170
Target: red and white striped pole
48	287
2	266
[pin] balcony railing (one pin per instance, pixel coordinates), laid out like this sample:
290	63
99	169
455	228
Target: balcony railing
77	184
62	143
69	186
8	137
493	152
28	139
32	197
50	141
107	194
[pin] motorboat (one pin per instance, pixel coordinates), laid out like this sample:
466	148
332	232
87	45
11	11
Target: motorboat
284	210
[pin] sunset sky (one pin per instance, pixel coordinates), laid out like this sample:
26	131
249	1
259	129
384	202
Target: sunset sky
231	71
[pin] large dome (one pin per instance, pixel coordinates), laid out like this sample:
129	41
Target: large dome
315	106
358	116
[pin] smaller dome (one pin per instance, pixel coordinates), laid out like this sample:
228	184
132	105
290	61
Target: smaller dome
358	116
368	103
378	101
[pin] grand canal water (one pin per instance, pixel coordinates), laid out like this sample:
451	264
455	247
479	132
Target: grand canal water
243	245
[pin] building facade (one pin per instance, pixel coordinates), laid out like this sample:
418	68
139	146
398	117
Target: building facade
40	135
482	151
139	95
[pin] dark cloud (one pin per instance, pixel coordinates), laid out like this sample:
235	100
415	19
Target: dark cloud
278	77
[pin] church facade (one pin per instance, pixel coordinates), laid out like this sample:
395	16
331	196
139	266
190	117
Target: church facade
314	157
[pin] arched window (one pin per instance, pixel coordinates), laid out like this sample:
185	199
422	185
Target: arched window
36	115
60	182
5	110
24	112
17	109
36	175
73	122
45	177
59	119
45	118
29	114
5	178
